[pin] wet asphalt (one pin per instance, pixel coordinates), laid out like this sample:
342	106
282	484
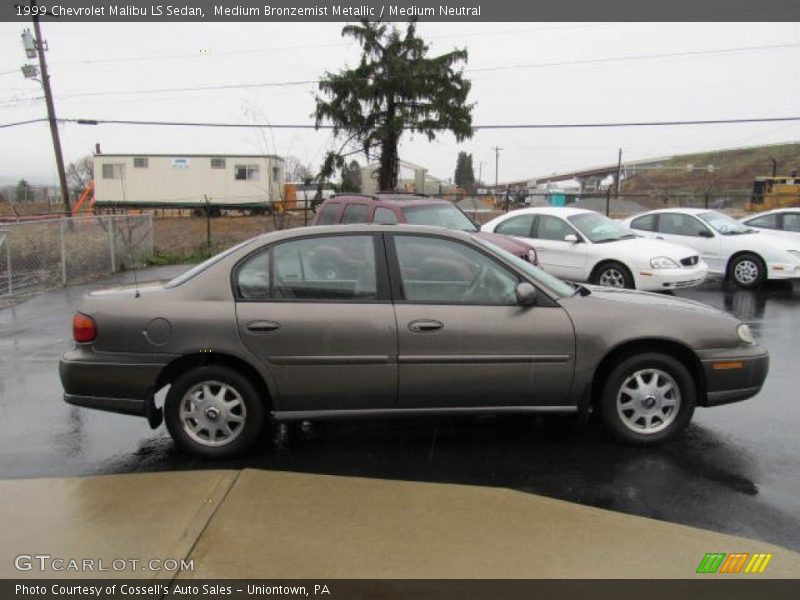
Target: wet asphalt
736	470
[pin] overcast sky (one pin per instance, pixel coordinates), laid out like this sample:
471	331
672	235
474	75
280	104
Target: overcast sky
106	60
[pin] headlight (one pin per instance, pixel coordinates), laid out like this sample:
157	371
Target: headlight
795	253
662	262
745	334
531	256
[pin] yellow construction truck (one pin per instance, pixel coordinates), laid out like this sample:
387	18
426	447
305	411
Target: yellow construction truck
775	192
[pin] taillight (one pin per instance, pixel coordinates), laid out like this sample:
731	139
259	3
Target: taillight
84	329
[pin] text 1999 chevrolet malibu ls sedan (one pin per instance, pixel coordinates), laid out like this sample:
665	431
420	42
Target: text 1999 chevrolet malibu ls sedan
392	320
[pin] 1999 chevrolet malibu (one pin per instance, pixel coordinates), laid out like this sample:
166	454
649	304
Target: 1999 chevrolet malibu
391	320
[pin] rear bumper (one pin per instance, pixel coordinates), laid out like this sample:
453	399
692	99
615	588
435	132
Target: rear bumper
114	382
733	375
123	406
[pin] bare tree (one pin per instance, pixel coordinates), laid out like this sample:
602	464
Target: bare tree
80	173
297	170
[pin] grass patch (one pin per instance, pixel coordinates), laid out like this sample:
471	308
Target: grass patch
162	259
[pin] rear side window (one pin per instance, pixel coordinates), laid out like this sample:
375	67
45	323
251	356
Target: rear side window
791	222
252	278
327	214
355	213
645	223
338	268
520	226
384	216
765	221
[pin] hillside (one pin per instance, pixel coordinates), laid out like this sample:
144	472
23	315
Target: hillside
733	170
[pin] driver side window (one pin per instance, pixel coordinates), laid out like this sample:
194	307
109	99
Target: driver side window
439	271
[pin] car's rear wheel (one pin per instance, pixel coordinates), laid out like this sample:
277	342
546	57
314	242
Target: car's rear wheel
748	270
214	411
613	274
648	398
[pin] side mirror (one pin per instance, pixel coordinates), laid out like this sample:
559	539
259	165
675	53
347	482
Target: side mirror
571	237
526	294
705	233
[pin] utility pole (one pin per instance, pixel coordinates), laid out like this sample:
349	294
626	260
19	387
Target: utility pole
496	165
619	174
51	110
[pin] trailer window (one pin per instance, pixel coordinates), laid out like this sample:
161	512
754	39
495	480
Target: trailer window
246	173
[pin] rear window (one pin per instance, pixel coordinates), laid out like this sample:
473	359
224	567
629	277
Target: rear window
327	215
197	269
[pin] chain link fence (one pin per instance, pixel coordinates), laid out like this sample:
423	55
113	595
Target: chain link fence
43	254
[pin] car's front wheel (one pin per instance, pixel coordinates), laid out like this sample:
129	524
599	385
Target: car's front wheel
214	411
648	398
748	270
613	274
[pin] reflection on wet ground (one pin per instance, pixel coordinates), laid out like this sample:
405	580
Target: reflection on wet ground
736	469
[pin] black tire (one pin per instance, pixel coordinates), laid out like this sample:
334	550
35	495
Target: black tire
748	271
622	422
188	433
613	271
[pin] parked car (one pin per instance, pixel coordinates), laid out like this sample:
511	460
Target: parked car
583	245
417	209
730	248
410	321
783	222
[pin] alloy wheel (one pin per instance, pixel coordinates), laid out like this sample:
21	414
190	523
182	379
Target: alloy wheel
746	272
648	401
612	277
213	413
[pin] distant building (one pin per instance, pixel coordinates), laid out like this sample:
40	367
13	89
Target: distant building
410	178
234	181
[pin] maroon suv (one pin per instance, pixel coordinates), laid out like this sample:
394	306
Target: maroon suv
396	207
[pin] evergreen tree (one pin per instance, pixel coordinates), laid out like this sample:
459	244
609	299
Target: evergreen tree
396	88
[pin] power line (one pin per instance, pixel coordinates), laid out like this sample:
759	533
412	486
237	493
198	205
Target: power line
19	123
476	127
633	57
192	89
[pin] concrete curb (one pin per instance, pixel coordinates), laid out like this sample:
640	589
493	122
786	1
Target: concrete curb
267	524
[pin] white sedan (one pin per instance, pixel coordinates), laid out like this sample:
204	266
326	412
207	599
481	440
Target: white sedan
730	248
583	245
783	222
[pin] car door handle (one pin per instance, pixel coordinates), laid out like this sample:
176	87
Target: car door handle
425	326
658	237
262	326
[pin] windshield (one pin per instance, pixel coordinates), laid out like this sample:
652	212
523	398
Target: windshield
723	223
599	228
186	276
549	281
440	215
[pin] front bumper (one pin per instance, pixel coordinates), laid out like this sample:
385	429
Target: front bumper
654	280
733	375
778	270
114	382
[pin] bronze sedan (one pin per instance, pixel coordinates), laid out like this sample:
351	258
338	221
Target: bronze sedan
392	320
